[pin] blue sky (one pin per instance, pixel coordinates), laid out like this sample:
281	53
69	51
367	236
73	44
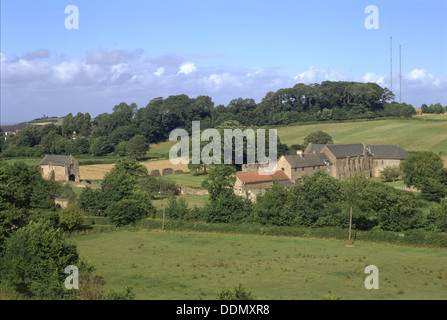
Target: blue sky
134	51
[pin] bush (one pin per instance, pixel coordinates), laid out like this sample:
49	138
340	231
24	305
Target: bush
32	270
177	208
238	293
71	218
126	211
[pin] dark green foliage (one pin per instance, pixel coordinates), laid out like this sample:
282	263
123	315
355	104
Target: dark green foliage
137	146
101	146
391	173
70	218
238	293
270	206
219	178
420	166
302	103
433	108
228	207
127	294
177	208
32	270
91	201
127	211
318	137
432	190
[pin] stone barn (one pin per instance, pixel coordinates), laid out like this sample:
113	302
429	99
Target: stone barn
60	168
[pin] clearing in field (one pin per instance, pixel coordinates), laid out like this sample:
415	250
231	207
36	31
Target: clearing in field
188	265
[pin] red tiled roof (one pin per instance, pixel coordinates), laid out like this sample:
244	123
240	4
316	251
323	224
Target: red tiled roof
254	177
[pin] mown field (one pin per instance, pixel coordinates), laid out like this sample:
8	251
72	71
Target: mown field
188	265
412	135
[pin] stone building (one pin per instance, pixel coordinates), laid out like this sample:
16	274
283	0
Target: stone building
60	168
253	183
337	160
386	156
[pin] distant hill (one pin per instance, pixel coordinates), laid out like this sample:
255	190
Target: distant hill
35	122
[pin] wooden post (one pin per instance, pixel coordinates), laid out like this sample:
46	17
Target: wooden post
350	225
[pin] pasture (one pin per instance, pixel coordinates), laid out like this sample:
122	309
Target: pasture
190	265
412	135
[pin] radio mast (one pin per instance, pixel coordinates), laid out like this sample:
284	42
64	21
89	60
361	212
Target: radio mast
400	73
391	64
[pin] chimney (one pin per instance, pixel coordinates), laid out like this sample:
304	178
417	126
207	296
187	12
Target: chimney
300	153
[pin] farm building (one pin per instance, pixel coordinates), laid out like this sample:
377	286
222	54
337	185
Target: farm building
60	168
252	183
342	160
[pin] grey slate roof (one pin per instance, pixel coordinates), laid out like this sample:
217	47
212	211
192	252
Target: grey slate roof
307	160
315	148
346	150
55	160
388	152
356	149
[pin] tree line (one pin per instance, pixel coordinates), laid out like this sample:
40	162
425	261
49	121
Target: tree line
112	133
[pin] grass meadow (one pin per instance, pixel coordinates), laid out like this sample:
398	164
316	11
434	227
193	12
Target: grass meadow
191	265
412	135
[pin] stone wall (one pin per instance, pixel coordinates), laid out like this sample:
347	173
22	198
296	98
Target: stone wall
379	164
197	192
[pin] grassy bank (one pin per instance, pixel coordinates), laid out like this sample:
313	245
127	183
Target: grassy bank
197	265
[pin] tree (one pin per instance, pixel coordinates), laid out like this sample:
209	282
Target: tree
127	211
432	190
137	146
219	178
318	137
269	207
420	166
177	208
35	258
391	173
101	146
91	201
71	218
121	182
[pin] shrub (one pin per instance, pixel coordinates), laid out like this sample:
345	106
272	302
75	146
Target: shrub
238	293
71	218
32	270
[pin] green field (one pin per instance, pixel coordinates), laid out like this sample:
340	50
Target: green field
188	265
188	180
192	200
412	135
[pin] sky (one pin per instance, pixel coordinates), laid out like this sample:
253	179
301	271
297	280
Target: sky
134	51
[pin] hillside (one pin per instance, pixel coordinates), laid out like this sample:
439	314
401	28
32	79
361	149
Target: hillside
412	135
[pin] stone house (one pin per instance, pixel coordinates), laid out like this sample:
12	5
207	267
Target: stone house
296	166
60	168
252	182
386	156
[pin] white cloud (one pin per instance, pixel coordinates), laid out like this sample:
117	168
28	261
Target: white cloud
187	68
102	79
314	75
159	72
372	77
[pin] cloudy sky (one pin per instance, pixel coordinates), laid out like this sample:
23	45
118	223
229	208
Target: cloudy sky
135	50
